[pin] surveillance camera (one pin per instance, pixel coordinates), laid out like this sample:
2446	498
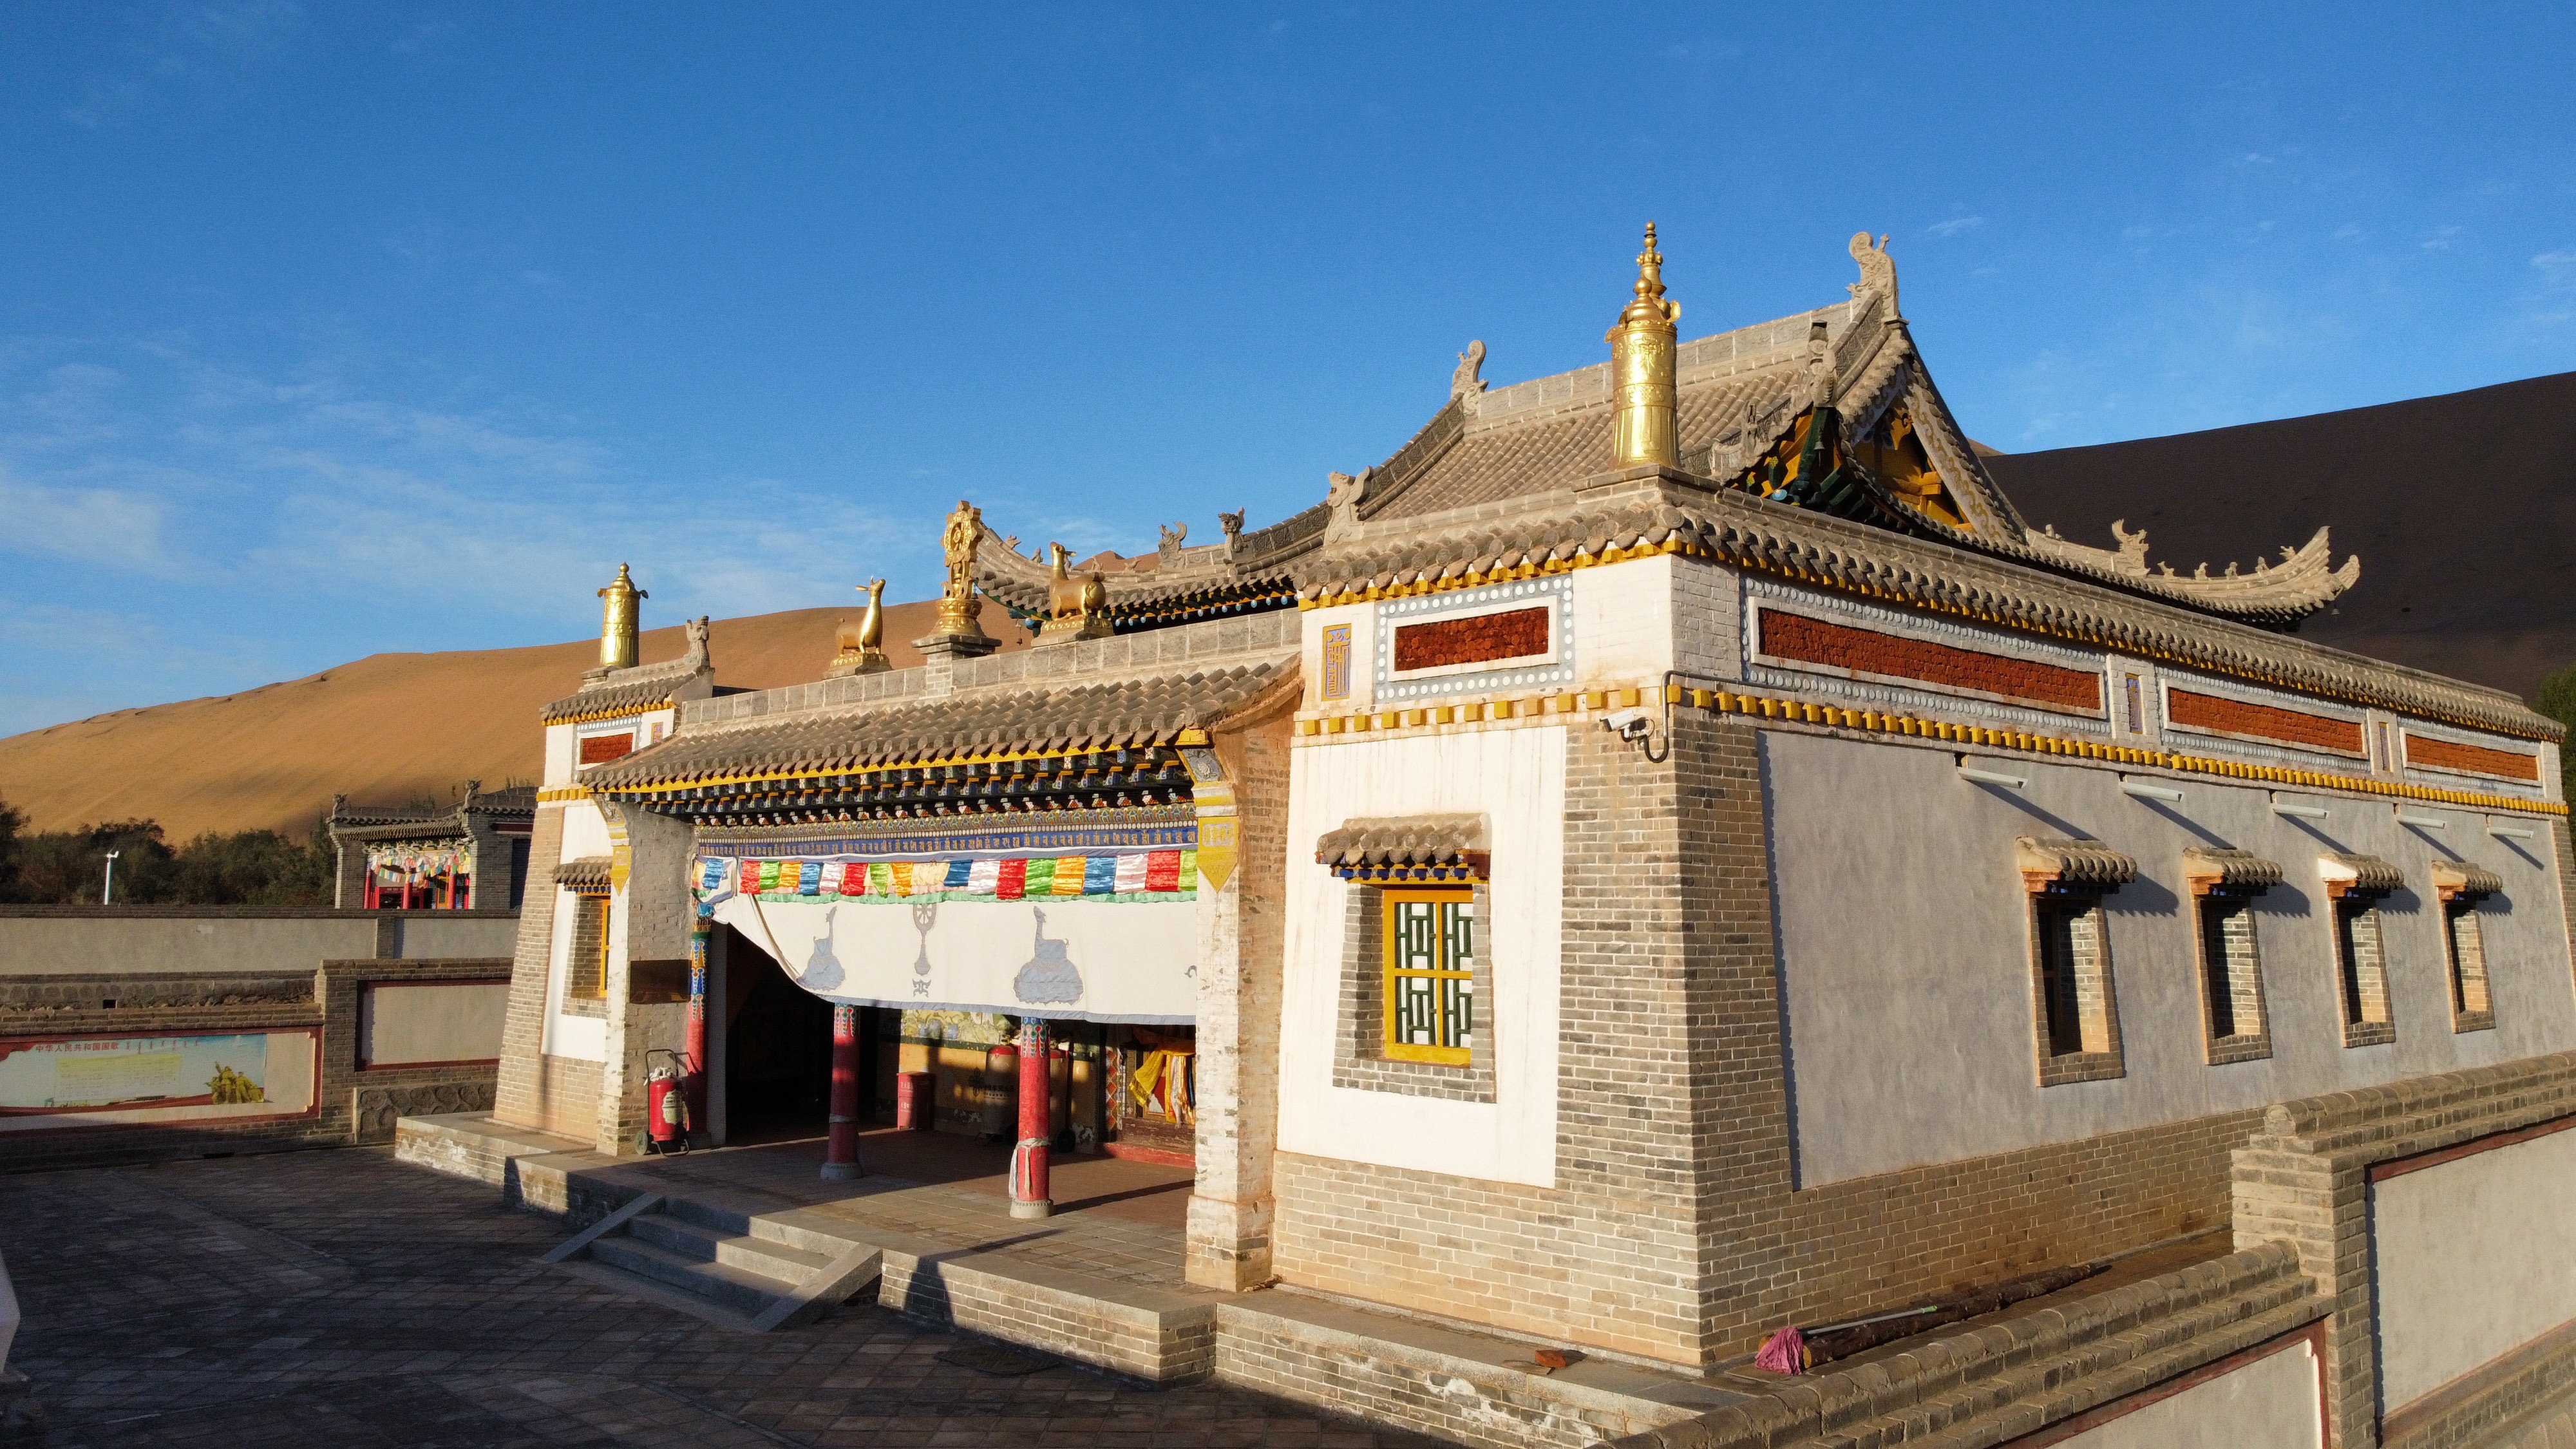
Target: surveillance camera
1628	724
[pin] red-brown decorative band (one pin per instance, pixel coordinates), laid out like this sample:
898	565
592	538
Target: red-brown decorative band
2435	754
2262	722
1889	656
599	749
1513	634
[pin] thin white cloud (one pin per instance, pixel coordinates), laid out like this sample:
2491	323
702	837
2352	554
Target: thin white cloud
312	489
1956	225
2442	239
105	526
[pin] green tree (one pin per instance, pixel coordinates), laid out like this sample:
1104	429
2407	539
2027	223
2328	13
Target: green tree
68	867
2557	699
10	821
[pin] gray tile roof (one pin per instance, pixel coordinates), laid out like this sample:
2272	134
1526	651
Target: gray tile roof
2370	873
1039	715
1409	840
2232	869
2083	864
2466	877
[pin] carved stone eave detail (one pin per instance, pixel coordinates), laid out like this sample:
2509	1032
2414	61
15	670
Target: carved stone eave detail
2304	581
1019	582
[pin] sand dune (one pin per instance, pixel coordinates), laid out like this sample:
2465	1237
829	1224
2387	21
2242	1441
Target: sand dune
2462	507
383	729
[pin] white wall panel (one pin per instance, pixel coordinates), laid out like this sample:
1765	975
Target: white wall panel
2272	1402
2473	1261
1516	778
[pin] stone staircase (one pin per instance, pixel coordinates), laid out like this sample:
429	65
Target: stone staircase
742	1270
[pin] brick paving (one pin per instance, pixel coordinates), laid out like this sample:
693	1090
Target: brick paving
341	1298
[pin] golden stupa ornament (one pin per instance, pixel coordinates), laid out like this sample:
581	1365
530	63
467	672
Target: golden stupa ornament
618	622
862	649
1077	608
1642	348
959	611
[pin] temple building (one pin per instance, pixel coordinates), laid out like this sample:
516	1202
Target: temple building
1668	853
466	856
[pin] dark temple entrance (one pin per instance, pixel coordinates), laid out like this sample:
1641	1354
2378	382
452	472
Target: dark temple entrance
778	1050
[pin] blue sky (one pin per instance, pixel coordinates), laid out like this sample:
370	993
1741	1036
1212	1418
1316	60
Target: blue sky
328	330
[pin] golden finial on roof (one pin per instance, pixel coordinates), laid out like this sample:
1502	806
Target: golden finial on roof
617	621
1642	346
959	613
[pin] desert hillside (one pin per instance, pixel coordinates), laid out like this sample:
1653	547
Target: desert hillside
384	729
2462	507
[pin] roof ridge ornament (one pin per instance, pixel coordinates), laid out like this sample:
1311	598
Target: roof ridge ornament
1643	344
1467	384
960	634
1877	271
862	650
1077	608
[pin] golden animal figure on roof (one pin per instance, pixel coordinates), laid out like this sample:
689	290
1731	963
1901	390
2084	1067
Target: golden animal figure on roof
862	646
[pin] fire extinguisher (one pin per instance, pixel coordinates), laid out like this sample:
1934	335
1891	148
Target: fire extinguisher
666	1103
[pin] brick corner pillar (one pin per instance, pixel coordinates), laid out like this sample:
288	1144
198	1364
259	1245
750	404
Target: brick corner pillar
1029	1162
1242	948
841	1141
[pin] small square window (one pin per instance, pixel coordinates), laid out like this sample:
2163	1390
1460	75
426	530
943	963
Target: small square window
2077	1017
586	972
1430	964
2361	967
2462	941
2231	979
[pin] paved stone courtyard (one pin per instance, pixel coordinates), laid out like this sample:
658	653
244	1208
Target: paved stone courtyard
341	1298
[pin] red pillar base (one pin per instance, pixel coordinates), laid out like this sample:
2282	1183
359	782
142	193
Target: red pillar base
841	1139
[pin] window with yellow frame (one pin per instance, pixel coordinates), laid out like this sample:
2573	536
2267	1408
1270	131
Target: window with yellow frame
1430	975
587	976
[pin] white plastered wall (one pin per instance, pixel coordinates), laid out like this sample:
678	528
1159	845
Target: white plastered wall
1623	622
1904	951
2472	1261
2272	1402
584	1038
1361	620
559	755
1516	778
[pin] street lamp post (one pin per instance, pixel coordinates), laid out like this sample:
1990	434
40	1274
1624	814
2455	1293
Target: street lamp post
107	892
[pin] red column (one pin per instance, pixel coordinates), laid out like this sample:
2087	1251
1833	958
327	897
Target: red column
1029	1159
693	1078
841	1147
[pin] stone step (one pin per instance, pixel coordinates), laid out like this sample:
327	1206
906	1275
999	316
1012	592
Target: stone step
741	1289
706	1215
769	1258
